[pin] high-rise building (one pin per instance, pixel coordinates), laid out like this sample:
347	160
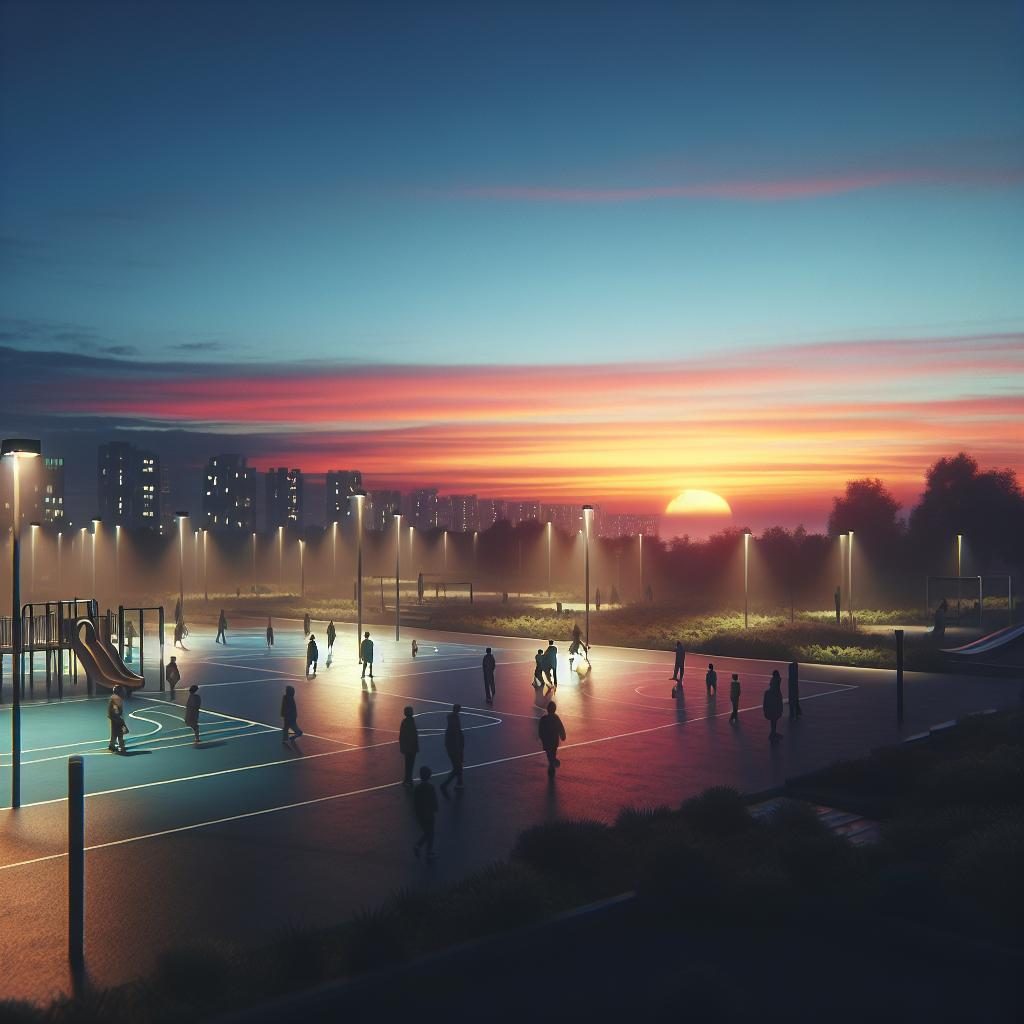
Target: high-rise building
517	512
51	491
341	483
381	507
228	489
422	509
465	513
628	524
284	497
489	512
128	485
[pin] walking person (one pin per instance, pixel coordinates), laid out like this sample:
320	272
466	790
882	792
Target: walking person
734	696
130	634
793	688
312	655
488	667
180	632
290	715
772	704
172	674
597	599
711	681
222	625
677	671
192	707
366	655
270	632
306	625
118	726
455	747
424	803
839	605
551	663
551	732
538	669
332	635
408	745
576	644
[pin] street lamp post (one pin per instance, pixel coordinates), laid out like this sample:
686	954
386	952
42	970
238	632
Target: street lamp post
334	556
206	578
117	563
398	571
358	498
588	519
746	579
16	448
959	573
302	568
180	517
549	558
641	565
33	529
280	559
253	582
60	563
849	562
95	533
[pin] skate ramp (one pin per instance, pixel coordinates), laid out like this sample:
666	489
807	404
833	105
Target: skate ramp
101	662
995	643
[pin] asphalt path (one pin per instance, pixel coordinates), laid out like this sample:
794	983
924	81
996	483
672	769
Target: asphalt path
242	837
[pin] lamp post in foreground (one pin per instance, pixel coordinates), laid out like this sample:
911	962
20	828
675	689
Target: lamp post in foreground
398	571
357	499
16	448
746	579
588	521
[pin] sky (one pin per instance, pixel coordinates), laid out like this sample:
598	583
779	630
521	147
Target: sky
572	252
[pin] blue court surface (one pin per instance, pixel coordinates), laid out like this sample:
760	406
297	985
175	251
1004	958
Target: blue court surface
242	835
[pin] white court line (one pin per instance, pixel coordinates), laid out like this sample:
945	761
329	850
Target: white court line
356	792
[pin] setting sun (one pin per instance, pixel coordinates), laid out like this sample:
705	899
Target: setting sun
698	503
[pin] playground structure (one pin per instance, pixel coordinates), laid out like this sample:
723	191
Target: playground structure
440	582
976	585
75	639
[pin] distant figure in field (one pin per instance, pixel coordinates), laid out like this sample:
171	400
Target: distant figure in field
577	645
180	632
772	704
649	594
415	648
118	726
839	605
332	635
793	688
538	669
488	667
312	655
424	803
455	747
172	674
734	697
419	588
940	620
192	706
306	625
677	671
177	610
408	745
222	625
597	599
130	634
289	715
551	663
366	655
551	732
711	681
270	632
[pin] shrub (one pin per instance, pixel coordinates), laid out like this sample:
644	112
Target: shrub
17	1012
637	821
993	777
718	811
986	866
193	975
376	939
682	880
583	854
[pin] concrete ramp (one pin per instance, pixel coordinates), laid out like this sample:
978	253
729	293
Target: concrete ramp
997	641
101	662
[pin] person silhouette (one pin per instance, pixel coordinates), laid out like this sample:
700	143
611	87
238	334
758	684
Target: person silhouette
538	669
332	635
270	632
173	674
597	599
677	670
839	604
222	625
551	663
734	697
424	803
940	620
711	681
130	634
118	726
366	655
455	746
192	708
312	655
290	715
793	687
488	667
575	644
551	732
180	632
306	625
772	704
408	745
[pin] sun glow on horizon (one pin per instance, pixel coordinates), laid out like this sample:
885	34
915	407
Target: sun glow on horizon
698	503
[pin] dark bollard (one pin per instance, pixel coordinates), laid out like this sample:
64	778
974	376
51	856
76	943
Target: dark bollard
899	676
76	861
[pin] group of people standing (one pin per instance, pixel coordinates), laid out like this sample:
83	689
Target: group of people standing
772	702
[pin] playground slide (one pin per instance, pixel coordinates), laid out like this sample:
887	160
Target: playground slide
101	662
987	644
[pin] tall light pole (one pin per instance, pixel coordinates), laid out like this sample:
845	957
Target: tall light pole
959	573
444	542
588	520
83	534
206	583
849	562
398	571
33	529
253	583
180	517
334	556
95	533
280	559
357	499
842	573
641	565
549	558
60	563
302	567
117	563
16	448
746	579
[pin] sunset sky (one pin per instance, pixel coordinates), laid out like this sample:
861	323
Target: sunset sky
603	252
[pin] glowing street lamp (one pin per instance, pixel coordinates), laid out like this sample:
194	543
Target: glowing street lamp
95	531
302	567
33	529
641	564
117	562
746	579
959	573
334	555
254	561
444	539
60	562
357	499
549	558
16	449
280	559
180	518
588	521
398	571
849	562
206	584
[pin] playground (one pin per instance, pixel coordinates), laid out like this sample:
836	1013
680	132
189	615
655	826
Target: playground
240	836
